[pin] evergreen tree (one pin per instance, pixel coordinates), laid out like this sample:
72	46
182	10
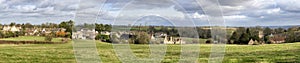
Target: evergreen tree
244	39
235	37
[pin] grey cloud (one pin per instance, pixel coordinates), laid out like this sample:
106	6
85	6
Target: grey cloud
58	10
289	5
233	2
37	10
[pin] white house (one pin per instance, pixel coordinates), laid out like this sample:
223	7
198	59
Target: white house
105	33
85	34
12	28
172	40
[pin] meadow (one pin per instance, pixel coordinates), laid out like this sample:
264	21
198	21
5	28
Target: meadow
31	38
63	53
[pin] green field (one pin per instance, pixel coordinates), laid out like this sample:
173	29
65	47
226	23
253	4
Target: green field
63	53
31	38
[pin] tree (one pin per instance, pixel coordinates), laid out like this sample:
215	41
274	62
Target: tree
102	27
12	24
241	30
163	29
292	29
143	38
49	37
248	31
253	33
279	30
173	32
255	37
267	31
297	37
67	25
89	26
99	27
107	27
151	29
44	25
244	39
235	37
18	25
28	25
104	38
9	34
63	25
68	35
290	37
293	37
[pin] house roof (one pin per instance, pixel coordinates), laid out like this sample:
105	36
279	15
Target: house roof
277	38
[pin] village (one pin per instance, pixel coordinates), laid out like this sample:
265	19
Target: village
33	31
256	36
157	37
48	32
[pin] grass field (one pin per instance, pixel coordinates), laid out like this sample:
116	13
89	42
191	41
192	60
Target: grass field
63	53
31	38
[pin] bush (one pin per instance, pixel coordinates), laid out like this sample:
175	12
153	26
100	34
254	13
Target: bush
48	38
60	34
131	41
114	39
68	35
104	38
9	34
143	38
208	41
2	35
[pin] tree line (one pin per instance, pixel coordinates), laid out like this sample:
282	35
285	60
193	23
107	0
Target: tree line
243	35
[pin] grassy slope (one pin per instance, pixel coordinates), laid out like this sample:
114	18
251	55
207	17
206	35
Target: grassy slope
36	53
31	38
234	53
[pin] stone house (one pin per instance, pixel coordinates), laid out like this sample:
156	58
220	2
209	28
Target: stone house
12	28
252	42
171	40
41	31
105	33
159	35
277	39
85	34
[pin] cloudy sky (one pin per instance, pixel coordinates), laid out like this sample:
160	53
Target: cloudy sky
152	12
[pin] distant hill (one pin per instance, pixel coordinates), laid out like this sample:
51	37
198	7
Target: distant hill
273	27
284	27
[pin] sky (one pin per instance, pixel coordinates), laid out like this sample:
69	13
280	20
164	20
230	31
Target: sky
152	12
